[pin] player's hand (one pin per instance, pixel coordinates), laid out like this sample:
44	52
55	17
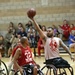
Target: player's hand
38	66
72	57
32	18
21	71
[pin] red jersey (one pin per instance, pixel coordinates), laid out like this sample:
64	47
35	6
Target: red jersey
66	30
40	42
26	56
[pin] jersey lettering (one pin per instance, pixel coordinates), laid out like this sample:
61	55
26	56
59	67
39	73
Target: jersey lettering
53	45
28	56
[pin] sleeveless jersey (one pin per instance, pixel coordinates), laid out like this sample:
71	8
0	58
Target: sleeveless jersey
26	56
51	48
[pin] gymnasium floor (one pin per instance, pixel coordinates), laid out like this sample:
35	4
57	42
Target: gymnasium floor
40	60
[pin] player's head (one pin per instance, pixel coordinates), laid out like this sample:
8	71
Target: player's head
50	32
24	41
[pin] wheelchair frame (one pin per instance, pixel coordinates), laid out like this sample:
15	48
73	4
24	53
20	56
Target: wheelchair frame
50	66
39	72
2	70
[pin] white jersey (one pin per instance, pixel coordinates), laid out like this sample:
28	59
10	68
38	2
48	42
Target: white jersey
51	48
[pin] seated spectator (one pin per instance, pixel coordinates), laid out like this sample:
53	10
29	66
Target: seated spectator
56	32
60	32
40	46
2	44
15	40
44	29
8	43
19	27
12	28
22	32
65	28
72	39
72	27
28	25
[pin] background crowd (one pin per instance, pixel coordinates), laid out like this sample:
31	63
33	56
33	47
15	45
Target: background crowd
13	35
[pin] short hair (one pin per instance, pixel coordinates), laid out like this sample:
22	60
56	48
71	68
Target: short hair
49	28
23	39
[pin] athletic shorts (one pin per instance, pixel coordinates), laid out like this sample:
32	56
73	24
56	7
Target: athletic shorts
28	68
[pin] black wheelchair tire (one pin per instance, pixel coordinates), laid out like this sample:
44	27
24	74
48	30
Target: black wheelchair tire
7	72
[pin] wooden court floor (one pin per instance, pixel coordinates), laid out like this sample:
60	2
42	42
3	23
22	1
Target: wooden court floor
40	60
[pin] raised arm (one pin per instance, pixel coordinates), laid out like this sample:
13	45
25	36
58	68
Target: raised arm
42	35
67	49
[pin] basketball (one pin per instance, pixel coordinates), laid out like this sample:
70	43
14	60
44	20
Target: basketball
31	13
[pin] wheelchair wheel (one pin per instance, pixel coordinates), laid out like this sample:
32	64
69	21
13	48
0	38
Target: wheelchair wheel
3	68
49	70
40	72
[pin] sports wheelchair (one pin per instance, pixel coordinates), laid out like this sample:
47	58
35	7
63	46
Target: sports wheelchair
3	68
50	69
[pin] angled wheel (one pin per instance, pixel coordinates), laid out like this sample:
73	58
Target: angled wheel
24	72
40	72
3	68
48	68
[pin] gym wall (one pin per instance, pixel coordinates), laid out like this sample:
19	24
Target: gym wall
49	12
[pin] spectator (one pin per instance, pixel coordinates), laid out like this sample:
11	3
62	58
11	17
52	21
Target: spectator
2	44
31	35
28	25
72	39
15	40
65	28
44	29
72	27
19	27
22	32
40	46
12	28
40	43
56	32
60	32
8	43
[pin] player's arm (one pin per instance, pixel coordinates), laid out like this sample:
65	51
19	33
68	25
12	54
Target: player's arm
16	56
67	49
42	35
72	40
37	65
